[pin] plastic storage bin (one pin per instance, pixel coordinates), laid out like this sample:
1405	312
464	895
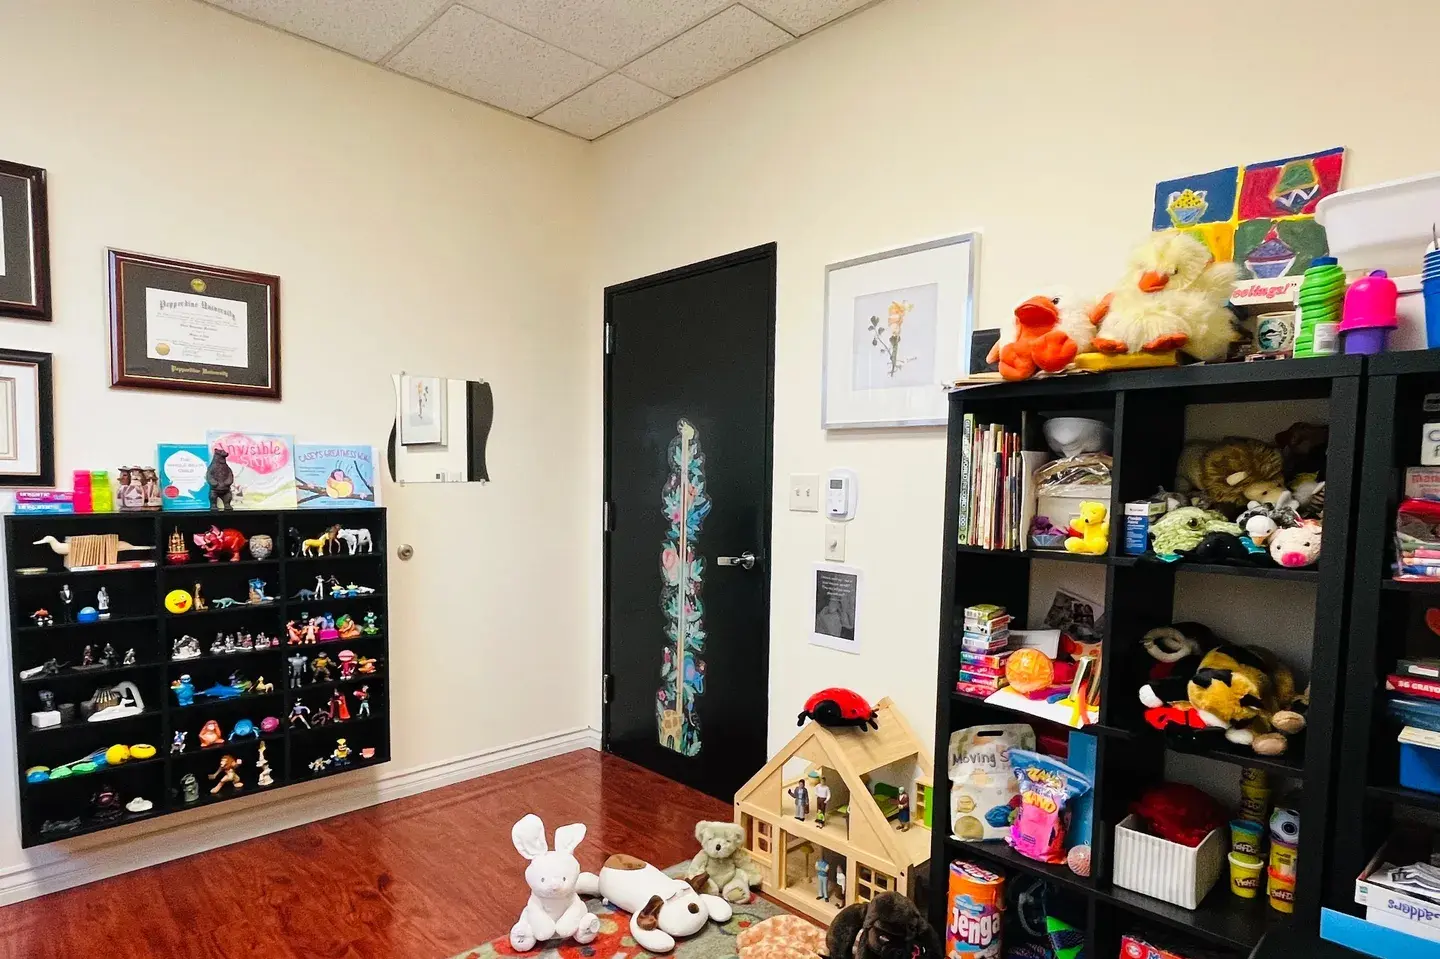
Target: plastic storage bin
1167	870
1420	768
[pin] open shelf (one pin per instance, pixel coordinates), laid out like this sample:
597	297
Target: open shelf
1223	919
72	673
1399	795
98	624
999	854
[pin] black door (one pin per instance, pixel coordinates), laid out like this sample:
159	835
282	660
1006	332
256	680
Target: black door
689	387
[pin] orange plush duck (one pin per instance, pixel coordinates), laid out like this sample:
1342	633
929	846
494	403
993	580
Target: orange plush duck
1049	333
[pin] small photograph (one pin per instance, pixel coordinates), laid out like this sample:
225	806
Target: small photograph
1074	615
837	599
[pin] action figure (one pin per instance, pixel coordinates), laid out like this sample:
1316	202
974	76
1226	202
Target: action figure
320	665
184	690
129	659
341	755
319	587
801	795
362	694
297	664
298	714
266	779
902	801
347	663
262	688
102	602
226	774
177	745
822	798
370	627
339	711
67	598
87	658
822	879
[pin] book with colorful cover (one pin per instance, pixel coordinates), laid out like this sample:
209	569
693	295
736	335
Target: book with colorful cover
182	475
264	467
330	476
1424	688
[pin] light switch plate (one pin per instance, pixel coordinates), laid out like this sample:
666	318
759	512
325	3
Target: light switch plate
805	492
835	542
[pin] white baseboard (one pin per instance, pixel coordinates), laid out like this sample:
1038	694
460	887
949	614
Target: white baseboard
74	863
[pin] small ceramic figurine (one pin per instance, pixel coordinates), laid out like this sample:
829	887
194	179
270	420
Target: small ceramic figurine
218	647
226	774
42	617
346	628
177	745
346	658
370	627
263	766
262	688
339	711
151	485
362	696
177	552
199	600
244	643
105	805
340	756
297	664
184	690
319	666
902	803
261	546
130	496
230	645
129	659
102	602
210	734
186	647
221	478
298	715
257	592
67	598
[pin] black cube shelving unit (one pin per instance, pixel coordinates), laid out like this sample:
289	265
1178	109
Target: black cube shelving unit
139	620
1147	412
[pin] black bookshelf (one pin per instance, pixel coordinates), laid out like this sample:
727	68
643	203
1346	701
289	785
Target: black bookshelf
139	620
1147	412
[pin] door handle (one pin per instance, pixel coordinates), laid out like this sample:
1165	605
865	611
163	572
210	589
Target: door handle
745	559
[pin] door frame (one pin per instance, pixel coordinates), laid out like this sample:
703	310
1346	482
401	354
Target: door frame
764	252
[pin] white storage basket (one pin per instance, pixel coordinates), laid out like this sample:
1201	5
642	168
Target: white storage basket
1167	870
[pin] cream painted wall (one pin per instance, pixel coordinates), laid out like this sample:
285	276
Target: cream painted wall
1044	126
412	230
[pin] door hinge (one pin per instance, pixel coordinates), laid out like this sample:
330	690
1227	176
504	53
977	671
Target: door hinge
607	687
609	520
609	339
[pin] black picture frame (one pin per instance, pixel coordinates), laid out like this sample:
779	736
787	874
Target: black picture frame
134	275
24	243
44	418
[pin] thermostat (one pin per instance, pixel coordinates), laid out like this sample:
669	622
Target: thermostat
840	494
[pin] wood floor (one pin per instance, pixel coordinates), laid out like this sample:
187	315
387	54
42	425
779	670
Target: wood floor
418	878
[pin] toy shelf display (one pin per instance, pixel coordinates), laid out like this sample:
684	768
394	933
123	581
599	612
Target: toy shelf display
162	661
1149	418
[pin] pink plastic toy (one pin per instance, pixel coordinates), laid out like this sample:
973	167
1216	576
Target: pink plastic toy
1369	313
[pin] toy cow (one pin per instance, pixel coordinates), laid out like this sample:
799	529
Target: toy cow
215	541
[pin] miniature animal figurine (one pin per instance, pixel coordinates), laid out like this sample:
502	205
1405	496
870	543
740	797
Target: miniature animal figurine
222	691
887	927
661	909
227	775
320	545
48	668
722	859
354	590
210	734
836	707
1092	530
263	688
346	628
244	729
1173	297
1049	333
215	541
305	595
225	602
256	592
1233	472
554	911
198	602
184	690
221	479
355	539
367	666
292	540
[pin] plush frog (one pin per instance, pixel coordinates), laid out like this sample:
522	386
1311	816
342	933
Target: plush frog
1182	529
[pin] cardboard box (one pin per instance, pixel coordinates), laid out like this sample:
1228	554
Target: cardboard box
1396	910
1138	517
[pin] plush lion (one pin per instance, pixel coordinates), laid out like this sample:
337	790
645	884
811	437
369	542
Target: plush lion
724	860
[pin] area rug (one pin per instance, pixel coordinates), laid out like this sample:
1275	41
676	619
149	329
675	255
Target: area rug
717	941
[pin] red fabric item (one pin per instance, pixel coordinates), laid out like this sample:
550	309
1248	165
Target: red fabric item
1180	813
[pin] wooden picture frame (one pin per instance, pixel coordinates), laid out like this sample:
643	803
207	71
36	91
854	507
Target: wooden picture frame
24	243
27	419
193	328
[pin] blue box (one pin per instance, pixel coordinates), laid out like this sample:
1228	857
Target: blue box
1420	768
1138	517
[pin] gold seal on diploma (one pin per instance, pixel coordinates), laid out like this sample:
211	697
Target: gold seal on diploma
198	285
162	348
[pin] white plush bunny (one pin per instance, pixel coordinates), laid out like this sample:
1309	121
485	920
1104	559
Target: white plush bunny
554	911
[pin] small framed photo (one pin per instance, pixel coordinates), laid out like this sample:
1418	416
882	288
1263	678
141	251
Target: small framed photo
27	419
897	332
24	243
422	410
837	607
197	329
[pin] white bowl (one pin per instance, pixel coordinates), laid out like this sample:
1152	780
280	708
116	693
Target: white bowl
1073	435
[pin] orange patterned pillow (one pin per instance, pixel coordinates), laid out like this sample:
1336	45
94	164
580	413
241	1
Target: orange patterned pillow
781	937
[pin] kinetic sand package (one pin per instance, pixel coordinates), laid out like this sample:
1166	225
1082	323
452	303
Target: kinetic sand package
984	793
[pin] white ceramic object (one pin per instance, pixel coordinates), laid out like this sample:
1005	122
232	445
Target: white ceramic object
1073	435
1167	870
1387	226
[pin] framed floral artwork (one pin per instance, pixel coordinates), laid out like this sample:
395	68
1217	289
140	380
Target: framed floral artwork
897	332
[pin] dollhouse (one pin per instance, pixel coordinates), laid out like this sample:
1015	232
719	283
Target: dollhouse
860	845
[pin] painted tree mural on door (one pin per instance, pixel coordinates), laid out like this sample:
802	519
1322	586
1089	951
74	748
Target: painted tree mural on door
682	671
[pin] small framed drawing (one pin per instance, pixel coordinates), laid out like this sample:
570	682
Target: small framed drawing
837	607
24	243
197	329
422	410
897	330
27	419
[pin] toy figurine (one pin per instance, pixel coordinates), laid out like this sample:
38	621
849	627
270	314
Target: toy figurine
67	598
59	827
341	754
840	883
87	658
346	628
105	805
87	614
107	657
297	664
321	545
226	774
354	590
801	795
354	539
262	688
346	658
42	617
221	478
150	482
177	552
298	714
199	600
362	696
257	592
261	546
238	681
269	725
139	804
186	647
369	665
184	690
244	729
263	765
129	659
370	627
224	602
48	668
822	798
318	765
244	643
215	541
210	734
177	745
322	718
295	637
320	664
333	585
311	626
218	646
230	645
822	879
327	628
319	587
339	710
189	788
902	803
102	602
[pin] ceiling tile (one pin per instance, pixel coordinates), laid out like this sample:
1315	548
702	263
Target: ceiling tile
603	106
612	32
364	28
482	58
802	16
723	43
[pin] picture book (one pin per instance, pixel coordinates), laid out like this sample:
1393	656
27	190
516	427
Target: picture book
182	475
330	476
264	467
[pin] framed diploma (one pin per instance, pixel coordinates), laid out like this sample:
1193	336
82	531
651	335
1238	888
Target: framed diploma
200	329
27	419
24	243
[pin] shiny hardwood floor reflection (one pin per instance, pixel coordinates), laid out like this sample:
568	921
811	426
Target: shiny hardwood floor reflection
418	878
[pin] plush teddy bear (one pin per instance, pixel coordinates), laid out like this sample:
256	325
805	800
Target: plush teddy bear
723	858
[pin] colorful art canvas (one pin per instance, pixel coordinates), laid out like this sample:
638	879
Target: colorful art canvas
1192	200
264	467
1289	187
329	476
1270	249
182	476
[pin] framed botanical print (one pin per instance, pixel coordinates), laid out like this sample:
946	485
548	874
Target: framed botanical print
194	328
27	419
897	331
24	243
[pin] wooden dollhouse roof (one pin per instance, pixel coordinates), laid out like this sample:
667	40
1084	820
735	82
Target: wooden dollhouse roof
852	753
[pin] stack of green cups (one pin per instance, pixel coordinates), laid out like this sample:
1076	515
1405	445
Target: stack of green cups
1322	294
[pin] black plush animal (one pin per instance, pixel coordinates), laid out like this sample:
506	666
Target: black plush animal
221	478
887	927
1224	549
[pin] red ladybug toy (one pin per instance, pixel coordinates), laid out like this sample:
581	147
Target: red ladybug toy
839	707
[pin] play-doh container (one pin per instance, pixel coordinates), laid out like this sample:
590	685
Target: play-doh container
1245	875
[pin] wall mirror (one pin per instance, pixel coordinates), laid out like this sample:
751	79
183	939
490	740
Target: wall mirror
441	427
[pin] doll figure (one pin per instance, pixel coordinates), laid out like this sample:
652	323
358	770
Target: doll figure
840	883
362	696
339	710
319	587
822	879
801	795
902	803
822	797
102	603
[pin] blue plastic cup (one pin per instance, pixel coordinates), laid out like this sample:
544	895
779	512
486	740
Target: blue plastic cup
1431	291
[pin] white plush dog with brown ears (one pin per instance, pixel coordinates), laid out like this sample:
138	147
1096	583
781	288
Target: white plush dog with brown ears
661	909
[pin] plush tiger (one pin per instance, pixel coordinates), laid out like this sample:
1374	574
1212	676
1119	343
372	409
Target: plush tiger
1239	689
